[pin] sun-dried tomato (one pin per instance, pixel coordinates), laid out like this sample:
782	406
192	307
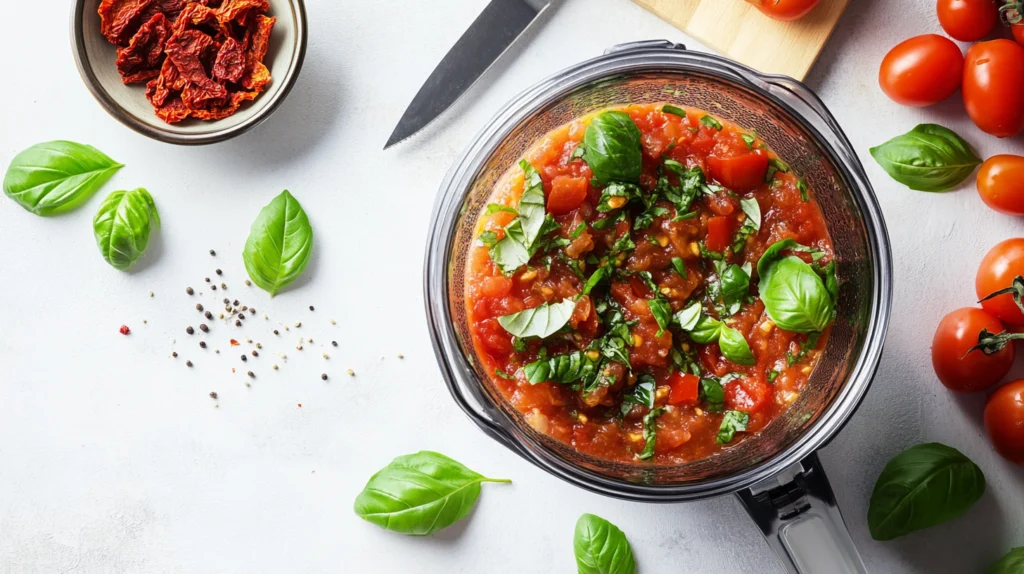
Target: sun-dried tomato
239	10
142	58
120	18
257	75
231	60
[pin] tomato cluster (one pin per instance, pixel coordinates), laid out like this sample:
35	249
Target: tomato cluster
973	350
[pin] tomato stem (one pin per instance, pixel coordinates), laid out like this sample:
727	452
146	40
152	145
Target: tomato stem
991	344
1012	12
1016	289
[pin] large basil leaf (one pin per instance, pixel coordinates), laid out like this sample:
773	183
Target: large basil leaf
734	346
419	494
57	176
735	282
612	143
280	244
924	485
541	321
689	317
706	330
601	548
1012	563
927	158
122	226
796	298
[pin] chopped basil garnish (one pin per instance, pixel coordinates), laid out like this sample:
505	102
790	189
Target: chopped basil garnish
732	423
662	312
802	186
578	152
488	238
712	122
772	375
687	318
522	234
805	348
674	110
579	229
504	375
713	393
680	266
775	165
642	393
749	140
650	433
542	321
493	208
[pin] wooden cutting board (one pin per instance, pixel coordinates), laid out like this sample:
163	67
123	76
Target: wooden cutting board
741	32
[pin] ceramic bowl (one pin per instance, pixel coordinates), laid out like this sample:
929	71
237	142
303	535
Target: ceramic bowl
96	58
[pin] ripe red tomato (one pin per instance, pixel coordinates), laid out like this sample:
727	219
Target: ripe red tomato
968	20
998	268
993	87
1001	183
1018	33
785	10
1004	421
921	71
742	172
957	368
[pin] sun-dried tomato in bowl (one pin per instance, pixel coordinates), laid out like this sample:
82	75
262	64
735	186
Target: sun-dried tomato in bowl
202	59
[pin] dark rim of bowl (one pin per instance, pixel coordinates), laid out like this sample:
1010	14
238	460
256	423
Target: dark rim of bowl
168	135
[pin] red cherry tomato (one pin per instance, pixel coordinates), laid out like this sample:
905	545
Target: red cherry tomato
742	172
993	87
719	234
785	10
1004	421
684	388
567	193
1001	183
959	368
921	71
1018	33
968	20
1000	266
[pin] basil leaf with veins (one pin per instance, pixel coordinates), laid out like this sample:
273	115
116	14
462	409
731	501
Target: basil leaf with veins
522	234
122	226
280	244
57	176
601	548
542	321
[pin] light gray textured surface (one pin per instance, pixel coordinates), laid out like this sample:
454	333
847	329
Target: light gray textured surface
114	459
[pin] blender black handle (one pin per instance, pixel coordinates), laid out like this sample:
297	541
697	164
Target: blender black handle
798	515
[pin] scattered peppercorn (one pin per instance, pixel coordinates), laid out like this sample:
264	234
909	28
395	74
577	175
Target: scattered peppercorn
124	330
199	307
259	346
189	330
351	373
276	332
189	290
214	287
202	344
245	308
207	279
324	376
204	328
274	367
334	343
251	376
254	353
245	358
213	394
227	301
241	316
150	293
219	272
401	356
188	364
238	323
208	315
223	286
174	354
298	348
248	283
213	253
311	308
298	324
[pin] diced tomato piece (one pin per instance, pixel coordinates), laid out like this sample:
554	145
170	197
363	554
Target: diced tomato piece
567	193
749	394
740	173
683	388
719	234
496	286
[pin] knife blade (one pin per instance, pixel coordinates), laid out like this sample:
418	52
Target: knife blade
493	31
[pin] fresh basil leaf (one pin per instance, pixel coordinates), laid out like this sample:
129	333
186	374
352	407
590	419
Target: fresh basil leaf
923	486
595	278
680	266
511	252
927	158
753	211
122	226
518	344
709	254
774	253
541	321
522	234
280	244
623	244
564	369
772	375
1012	563
732	423
419	494
642	393
58	176
504	375
713	393
625	192
795	297
749	140
735	347
662	312
601	548
613	148
711	122
488	238
689	317
578	152
706	330
801	185
650	433
674	110
531	205
493	208
735	285
578	230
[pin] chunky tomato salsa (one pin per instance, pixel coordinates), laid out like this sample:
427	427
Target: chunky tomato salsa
651	283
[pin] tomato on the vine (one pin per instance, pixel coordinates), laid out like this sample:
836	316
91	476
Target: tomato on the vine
968	20
963	361
996	283
922	70
785	10
993	87
1001	183
1004	421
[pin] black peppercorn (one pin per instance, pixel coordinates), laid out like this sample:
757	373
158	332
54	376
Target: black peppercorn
199	306
275	332
227	301
189	330
213	394
235	302
202	344
189	290
174	354
251	376
324	376
219	272
238	323
245	358
214	287
207	279
334	343
212	252
204	328
188	364
208	315
255	354
241	316
311	308
223	286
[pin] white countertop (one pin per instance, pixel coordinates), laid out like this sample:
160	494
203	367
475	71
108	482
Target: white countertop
113	458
